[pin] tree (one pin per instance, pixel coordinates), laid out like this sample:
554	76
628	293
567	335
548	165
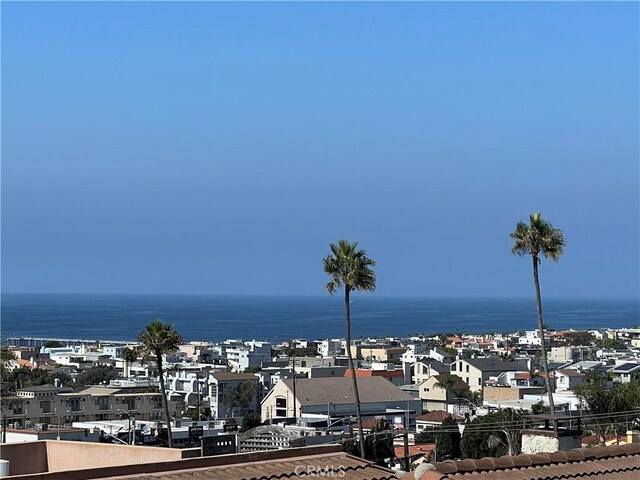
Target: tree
378	444
351	269
158	339
447	382
243	396
250	421
579	338
96	376
539	238
614	344
448	442
491	435
473	396
129	355
252	369
607	404
7	387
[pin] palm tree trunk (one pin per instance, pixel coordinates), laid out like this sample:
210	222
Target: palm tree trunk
164	400
545	362
347	328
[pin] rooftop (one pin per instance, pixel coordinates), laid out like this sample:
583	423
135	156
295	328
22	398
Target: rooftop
83	461
619	462
320	391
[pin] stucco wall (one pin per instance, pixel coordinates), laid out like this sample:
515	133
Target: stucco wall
25	458
64	456
496	394
539	443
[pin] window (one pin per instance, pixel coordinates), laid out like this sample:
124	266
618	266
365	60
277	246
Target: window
479	381
281	407
467	370
103	403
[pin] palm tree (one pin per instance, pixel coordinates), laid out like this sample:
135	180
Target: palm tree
539	238
447	382
158	339
350	268
129	356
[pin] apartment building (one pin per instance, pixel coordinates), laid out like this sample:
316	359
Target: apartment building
48	404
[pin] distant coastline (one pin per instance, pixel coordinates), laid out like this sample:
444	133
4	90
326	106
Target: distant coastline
275	318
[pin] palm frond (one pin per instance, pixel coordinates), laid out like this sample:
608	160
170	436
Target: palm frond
350	267
537	238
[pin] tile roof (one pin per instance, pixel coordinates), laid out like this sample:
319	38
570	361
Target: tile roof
420	449
437	416
328	465
320	391
619	462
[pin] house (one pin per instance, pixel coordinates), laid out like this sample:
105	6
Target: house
568	378
441	355
434	419
435	397
242	355
334	397
626	371
476	371
329	348
426	368
524	379
377	352
390	373
232	394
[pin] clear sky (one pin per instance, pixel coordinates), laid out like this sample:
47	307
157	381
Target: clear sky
220	147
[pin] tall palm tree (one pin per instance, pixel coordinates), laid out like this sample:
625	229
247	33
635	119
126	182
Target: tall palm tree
129	356
447	382
158	339
539	238
351	269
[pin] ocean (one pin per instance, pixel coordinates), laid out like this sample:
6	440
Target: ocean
275	318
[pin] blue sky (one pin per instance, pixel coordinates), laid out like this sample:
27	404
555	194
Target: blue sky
220	147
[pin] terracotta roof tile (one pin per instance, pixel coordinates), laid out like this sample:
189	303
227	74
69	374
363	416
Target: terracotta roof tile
437	416
619	462
331	465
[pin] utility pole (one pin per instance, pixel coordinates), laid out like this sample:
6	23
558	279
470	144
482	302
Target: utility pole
295	413
199	391
407	458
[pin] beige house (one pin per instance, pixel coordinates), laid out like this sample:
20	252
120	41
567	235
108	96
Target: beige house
435	397
427	368
476	371
334	397
378	353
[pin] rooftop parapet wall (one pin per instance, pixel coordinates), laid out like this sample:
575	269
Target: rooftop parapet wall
24	461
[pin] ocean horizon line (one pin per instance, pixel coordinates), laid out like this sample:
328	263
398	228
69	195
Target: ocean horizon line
367	295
